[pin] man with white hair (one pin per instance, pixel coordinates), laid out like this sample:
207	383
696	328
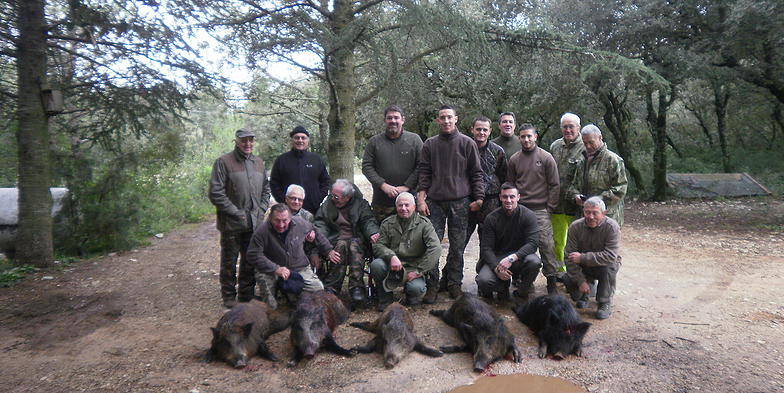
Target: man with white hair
295	196
567	151
408	242
346	220
600	173
593	253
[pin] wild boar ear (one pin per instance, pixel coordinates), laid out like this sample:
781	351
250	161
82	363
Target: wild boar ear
582	328
215	333
246	329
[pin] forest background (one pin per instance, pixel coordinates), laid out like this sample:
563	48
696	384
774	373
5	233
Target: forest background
148	103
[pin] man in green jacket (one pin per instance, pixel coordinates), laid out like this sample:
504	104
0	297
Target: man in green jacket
346	220
240	192
567	151
408	241
600	173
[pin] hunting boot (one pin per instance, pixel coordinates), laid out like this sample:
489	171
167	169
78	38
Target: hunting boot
551	288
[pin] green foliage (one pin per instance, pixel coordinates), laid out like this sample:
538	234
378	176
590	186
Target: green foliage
10	275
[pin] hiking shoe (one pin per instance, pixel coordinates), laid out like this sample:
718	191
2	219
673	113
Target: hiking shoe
229	303
582	302
455	291
551	288
431	295
603	311
503	296
358	295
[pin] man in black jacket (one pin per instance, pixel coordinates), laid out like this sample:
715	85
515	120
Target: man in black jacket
507	248
299	166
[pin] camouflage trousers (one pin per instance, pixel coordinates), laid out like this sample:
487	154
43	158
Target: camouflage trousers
475	219
352	256
550	265
382	212
455	214
268	289
234	244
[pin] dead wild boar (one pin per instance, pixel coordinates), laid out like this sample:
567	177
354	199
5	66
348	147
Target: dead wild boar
555	323
482	330
395	337
242	331
314	319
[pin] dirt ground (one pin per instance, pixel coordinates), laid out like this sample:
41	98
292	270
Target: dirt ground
699	307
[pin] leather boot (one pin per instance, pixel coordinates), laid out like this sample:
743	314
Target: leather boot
551	288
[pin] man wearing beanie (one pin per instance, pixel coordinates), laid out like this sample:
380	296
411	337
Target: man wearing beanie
299	166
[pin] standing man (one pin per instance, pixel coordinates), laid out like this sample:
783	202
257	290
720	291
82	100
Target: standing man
450	178
567	151
600	173
408	241
240	192
390	163
277	250
493	163
535	173
507	250
507	140
347	222
593	253
299	166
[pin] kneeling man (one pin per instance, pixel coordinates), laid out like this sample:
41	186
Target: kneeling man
408	241
592	251
507	248
277	249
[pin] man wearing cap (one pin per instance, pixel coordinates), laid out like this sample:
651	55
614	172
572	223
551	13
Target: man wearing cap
507	249
408	243
346	220
299	166
390	162
276	250
240	192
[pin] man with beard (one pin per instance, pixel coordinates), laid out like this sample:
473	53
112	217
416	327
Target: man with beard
390	163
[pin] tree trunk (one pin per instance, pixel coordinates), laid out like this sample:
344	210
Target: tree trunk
342	90
617	117
657	121
721	95
34	235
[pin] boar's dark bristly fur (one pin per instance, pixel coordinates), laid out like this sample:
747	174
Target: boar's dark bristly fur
315	318
242	331
556	323
395	337
482	330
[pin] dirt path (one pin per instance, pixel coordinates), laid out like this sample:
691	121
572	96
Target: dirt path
698	308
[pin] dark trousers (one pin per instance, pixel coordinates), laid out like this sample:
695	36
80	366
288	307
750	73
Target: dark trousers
606	277
475	219
453	214
524	273
235	244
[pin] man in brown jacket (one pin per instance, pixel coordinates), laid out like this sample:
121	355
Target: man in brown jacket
277	249
535	173
240	192
592	252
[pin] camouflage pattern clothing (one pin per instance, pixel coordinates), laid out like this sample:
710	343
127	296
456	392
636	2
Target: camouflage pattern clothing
456	212
602	175
566	156
493	161
352	256
382	212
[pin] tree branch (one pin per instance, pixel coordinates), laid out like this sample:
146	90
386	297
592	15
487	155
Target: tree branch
367	5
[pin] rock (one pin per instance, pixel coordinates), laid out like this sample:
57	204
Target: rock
47	278
159	235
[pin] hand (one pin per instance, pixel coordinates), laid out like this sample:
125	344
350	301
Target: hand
503	273
334	256
310	237
578	200
574	257
584	287
402	189
422	204
505	263
395	264
391	191
374	237
412	276
475	206
283	272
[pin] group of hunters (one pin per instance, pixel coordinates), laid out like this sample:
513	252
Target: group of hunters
567	204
